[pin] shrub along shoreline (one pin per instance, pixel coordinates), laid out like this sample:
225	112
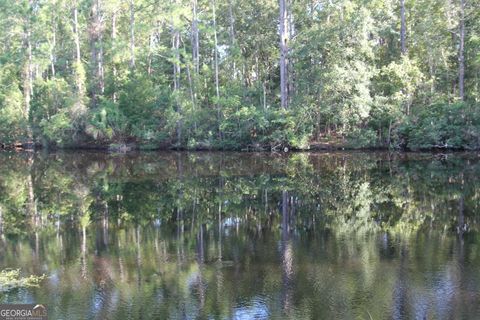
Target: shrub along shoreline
435	127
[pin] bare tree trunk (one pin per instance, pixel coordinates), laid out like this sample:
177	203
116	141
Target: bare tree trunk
191	87
231	18
461	53
403	28
150	52
76	35
195	38
27	84
176	64
154	40
78	109
290	61
52	48
217	87
132	34
100	69
176	77
96	51
195	57
114	65
283	21
232	35
431	69
27	80
403	44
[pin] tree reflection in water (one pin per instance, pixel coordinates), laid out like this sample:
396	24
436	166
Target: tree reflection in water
226	235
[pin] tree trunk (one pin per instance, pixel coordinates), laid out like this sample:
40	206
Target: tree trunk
195	39
114	65
195	57
403	28
217	87
176	64
283	22
52	48
76	35
461	53
152	47
27	80
231	19
100	68
176	78
290	64
96	51
150	52
132	34
191	87
232	35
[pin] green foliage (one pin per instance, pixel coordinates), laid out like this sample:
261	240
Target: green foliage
455	126
362	138
57	128
142	106
399	80
11	279
286	128
141	81
52	101
106	122
12	120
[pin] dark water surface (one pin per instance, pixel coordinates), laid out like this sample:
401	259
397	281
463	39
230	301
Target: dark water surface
244	236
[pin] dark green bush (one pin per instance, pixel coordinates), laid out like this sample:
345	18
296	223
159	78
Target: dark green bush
454	126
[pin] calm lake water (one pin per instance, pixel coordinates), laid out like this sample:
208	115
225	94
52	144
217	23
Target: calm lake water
244	236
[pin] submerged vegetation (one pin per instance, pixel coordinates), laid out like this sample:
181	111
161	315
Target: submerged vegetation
12	279
229	74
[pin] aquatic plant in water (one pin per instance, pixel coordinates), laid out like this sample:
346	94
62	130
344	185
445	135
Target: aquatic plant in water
11	279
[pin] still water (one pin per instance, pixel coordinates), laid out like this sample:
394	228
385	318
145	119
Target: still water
244	236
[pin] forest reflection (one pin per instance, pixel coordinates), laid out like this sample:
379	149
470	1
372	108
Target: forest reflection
227	235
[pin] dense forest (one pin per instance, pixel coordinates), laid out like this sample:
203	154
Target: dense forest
231	74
